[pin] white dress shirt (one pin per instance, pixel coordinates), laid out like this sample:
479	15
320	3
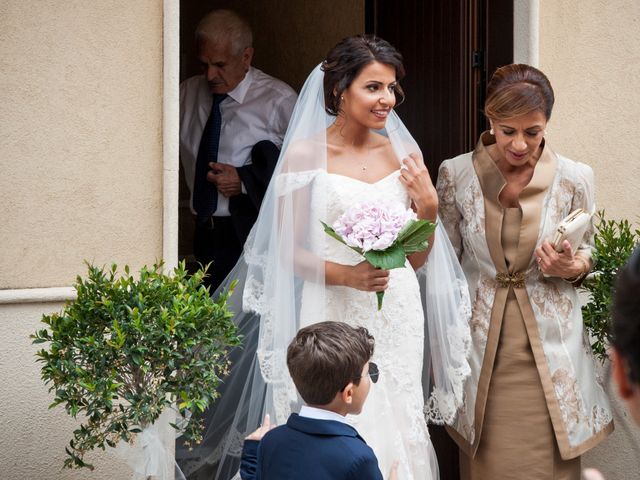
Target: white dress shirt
258	109
320	414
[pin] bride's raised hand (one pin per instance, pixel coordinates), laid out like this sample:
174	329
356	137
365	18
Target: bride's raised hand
262	429
393	472
366	277
415	177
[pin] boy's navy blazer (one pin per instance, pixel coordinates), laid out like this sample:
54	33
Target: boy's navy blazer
309	449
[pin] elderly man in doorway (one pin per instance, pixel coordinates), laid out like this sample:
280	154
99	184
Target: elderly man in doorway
232	123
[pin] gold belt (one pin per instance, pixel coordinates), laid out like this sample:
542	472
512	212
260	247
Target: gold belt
516	280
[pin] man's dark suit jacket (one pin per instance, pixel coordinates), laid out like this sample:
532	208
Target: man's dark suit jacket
244	208
309	449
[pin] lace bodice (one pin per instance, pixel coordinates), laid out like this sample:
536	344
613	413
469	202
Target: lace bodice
333	195
341	193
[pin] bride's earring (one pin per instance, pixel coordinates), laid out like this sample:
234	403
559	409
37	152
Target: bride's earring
491	131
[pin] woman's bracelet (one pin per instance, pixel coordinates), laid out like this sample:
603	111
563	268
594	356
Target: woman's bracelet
581	275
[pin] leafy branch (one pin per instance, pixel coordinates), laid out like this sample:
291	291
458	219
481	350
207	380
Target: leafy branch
128	348
614	243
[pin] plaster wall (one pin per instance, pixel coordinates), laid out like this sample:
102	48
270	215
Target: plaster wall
81	143
589	50
34	437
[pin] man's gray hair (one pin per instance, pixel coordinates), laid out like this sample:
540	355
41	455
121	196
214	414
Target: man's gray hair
220	26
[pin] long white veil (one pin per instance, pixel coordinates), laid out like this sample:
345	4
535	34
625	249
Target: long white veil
276	266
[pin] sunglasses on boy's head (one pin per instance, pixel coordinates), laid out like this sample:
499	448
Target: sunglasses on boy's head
374	373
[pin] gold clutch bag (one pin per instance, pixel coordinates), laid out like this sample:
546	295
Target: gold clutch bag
572	228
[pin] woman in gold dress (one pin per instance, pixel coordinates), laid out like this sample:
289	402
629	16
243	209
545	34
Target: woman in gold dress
534	403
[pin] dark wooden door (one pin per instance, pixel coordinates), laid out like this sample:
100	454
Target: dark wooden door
451	48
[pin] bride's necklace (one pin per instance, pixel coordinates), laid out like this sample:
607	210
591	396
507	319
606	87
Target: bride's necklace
354	154
365	157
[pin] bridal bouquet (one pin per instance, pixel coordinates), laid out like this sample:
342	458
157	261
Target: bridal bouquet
384	233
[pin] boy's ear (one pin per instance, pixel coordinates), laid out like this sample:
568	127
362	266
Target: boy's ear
625	389
346	395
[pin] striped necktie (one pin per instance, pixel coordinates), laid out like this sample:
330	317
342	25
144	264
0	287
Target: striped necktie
205	194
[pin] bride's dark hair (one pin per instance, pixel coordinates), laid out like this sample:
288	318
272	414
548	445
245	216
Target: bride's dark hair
345	61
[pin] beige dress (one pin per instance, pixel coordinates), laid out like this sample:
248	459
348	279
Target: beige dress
517	440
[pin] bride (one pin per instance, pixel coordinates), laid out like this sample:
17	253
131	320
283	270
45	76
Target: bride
346	145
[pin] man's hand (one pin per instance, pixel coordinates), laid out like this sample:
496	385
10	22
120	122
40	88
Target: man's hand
225	178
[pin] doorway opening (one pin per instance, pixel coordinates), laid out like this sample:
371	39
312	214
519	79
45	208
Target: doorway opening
450	49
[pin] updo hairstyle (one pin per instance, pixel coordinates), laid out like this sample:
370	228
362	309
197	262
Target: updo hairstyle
347	59
517	89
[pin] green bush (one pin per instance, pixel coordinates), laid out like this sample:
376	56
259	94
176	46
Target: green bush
127	348
614	243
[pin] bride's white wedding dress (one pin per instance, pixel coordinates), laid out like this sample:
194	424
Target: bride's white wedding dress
282	287
392	421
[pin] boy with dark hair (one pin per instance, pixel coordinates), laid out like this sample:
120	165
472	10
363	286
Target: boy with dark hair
330	367
625	339
626	334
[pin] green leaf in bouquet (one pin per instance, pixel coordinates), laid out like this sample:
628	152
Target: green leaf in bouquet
380	296
420	247
413	237
332	233
392	257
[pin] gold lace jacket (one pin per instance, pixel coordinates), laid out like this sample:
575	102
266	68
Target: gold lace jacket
468	188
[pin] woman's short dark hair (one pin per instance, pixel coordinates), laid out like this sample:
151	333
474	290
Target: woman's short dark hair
516	90
626	315
347	59
326	356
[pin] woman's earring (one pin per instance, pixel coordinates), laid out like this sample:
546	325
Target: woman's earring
491	131
341	98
